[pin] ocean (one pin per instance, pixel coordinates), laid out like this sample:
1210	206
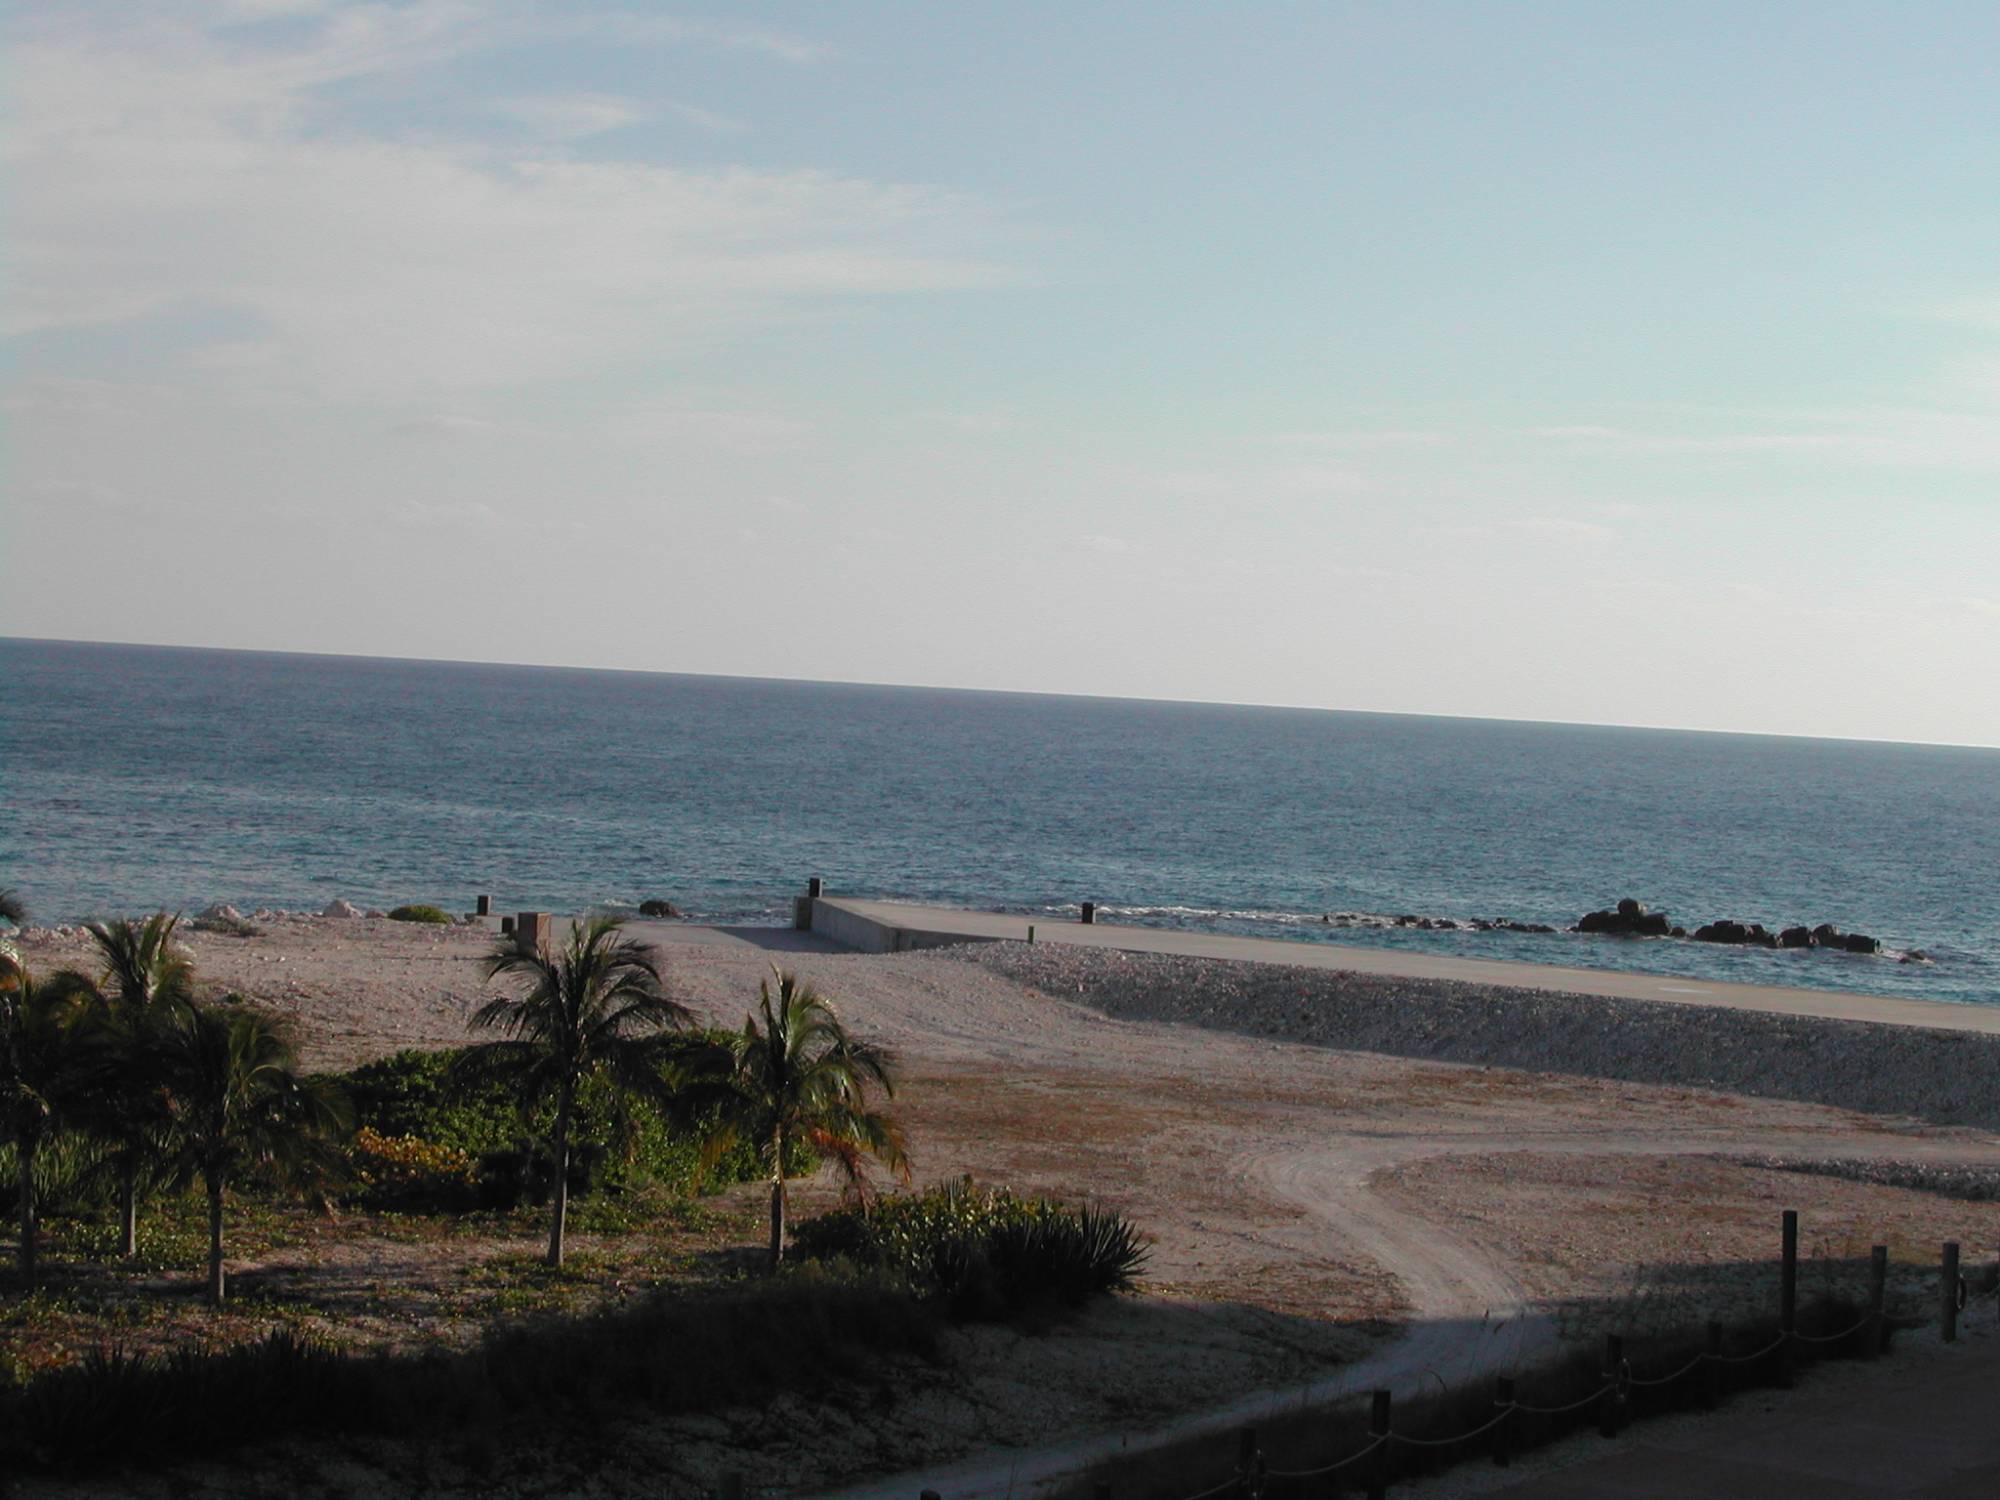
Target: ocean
148	777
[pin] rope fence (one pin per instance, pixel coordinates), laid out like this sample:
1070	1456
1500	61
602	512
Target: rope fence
1611	1395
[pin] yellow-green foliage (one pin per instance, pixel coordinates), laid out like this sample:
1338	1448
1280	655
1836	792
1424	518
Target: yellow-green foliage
434	915
389	1168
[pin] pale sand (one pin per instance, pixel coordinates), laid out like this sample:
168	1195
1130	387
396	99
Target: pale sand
1298	1195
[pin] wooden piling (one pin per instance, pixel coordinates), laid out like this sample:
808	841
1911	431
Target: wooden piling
1246	1463
1878	1296
482	906
1948	1288
1788	1294
1378	1429
1089	916
1503	1435
1614	1369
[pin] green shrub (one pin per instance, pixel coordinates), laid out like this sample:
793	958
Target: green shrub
435	915
983	1253
410	1173
615	1143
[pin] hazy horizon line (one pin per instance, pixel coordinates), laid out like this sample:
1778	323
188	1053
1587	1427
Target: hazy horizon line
1015	692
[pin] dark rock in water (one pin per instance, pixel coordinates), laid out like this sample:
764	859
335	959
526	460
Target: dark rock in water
1916	956
1722	932
1860	942
1795	937
1828	936
1760	936
1629	919
658	909
1679	932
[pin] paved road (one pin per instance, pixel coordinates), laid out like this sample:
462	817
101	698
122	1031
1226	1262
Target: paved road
928	925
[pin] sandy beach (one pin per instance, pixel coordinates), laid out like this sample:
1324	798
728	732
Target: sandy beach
1322	1210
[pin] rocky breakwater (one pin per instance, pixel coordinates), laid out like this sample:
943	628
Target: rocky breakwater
1944	1076
1630	918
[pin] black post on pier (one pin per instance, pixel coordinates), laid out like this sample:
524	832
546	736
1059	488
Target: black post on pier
1089	916
482	906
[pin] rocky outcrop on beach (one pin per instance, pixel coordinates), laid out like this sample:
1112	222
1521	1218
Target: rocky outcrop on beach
342	909
1951	1077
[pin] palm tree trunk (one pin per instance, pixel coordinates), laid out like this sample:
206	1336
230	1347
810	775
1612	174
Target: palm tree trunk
26	1158
778	1200
561	1216
128	1205
216	1286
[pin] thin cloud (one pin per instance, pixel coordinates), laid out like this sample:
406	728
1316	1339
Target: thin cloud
158	170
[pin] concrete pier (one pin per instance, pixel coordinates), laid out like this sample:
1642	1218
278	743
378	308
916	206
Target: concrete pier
891	927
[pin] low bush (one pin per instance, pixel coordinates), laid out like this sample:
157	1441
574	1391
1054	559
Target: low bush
666	1353
658	909
615	1143
409	1173
983	1253
436	915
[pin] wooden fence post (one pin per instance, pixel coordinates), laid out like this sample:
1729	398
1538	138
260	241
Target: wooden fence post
1948	1288
1878	1297
1089	914
1607	1405
1711	1368
1503	1435
1378	1429
1788	1294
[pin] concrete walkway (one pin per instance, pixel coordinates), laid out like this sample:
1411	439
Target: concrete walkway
1925	1432
883	926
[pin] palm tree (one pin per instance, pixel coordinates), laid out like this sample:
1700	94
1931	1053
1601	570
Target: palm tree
38	1065
142	975
799	1079
596	1008
238	1104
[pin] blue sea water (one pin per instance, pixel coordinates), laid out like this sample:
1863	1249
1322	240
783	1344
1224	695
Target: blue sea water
142	777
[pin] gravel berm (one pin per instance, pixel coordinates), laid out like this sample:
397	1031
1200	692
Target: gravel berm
1946	1077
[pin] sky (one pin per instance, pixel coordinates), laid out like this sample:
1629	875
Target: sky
1600	362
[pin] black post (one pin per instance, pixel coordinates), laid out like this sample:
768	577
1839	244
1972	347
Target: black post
1788	1274
1878	1296
1788	1295
1089	916
1246	1462
1711	1368
1503	1435
814	887
1378	1429
1614	1371
482	906
1948	1286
